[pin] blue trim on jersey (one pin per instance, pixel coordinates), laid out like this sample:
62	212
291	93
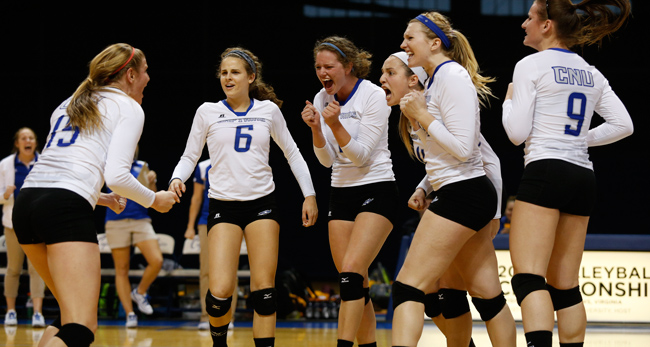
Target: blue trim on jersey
436	70
21	170
133	210
239	114
562	50
354	90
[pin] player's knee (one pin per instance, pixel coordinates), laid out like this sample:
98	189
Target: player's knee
366	295
264	301
403	293
216	307
489	308
524	284
453	302
75	335
351	286
432	307
563	298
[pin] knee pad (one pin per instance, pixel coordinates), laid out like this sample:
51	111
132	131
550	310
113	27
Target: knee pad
351	286
403	293
265	301
488	308
366	295
215	307
524	284
563	298
453	302
76	335
432	307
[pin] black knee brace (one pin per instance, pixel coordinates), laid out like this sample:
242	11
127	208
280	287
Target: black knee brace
563	298
265	301
215	307
351	286
366	295
524	284
453	302
488	308
403	293
432	307
75	335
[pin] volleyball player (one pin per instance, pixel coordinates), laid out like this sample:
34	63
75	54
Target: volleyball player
13	171
132	227
349	124
448	306
92	139
238	131
549	106
200	208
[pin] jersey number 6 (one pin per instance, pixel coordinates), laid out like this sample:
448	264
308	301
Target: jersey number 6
247	138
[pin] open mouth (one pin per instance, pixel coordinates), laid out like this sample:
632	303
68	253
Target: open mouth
388	92
327	83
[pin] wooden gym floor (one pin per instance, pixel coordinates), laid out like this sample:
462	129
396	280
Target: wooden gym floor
162	333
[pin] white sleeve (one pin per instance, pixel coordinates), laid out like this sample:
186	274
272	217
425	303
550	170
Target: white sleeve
374	122
119	158
518	113
325	155
425	185
4	166
281	135
193	149
458	133
618	123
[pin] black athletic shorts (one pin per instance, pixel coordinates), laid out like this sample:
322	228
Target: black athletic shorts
560	185
242	213
470	202
53	215
381	198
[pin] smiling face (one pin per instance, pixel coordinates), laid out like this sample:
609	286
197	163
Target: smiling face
25	142
417	45
534	26
394	80
140	81
330	71
235	80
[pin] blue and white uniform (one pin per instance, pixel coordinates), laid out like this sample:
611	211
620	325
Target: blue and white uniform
12	173
239	145
80	162
201	177
133	210
555	94
366	158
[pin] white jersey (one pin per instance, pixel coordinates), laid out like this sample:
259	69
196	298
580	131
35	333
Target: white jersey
452	141
555	95
239	146
491	165
81	162
366	158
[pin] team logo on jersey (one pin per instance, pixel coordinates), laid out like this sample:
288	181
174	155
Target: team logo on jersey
217	216
265	212
222	116
367	201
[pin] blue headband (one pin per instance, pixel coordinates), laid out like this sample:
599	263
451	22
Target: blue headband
336	48
431	25
244	56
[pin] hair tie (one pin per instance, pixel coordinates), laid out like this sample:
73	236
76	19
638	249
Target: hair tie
436	29
336	48
246	57
127	62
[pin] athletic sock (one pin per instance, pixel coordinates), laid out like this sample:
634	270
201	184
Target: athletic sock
344	343
264	342
540	338
573	344
372	344
219	335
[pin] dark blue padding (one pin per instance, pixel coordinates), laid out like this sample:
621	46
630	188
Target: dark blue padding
598	242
